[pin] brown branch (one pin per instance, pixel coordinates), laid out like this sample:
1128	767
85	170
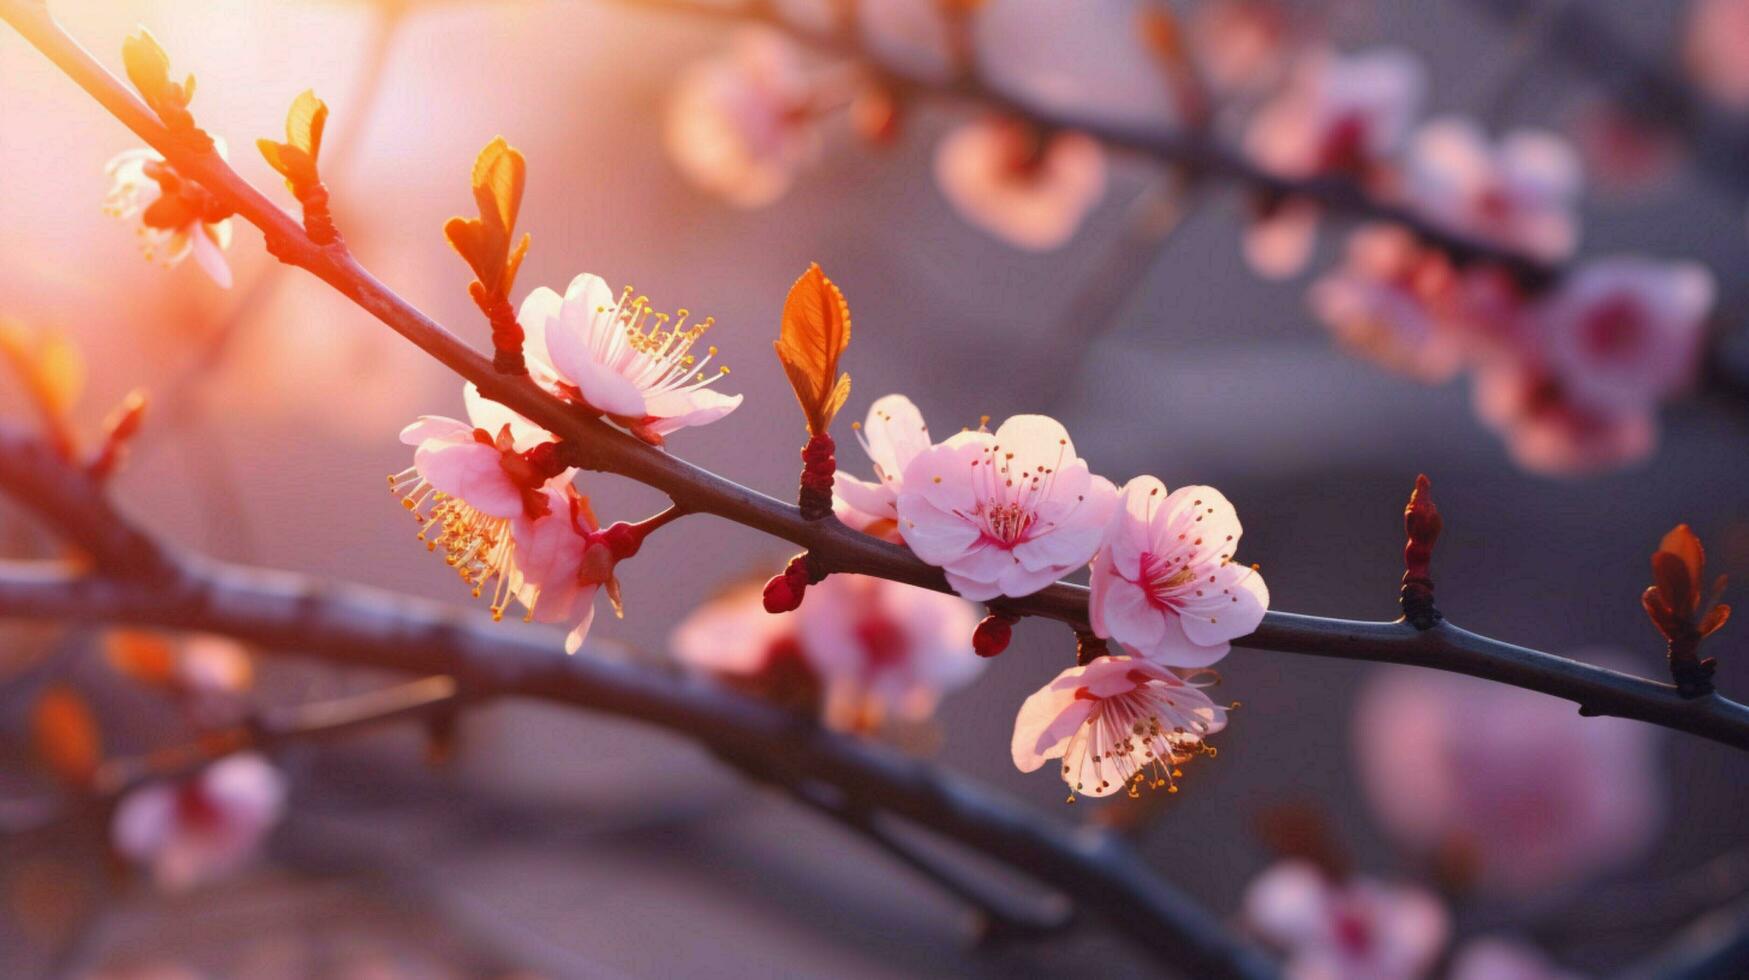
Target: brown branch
834	546
357	626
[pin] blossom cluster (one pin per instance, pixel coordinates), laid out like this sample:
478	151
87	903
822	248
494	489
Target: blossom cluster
1493	790
1006	513
491	490
1571	377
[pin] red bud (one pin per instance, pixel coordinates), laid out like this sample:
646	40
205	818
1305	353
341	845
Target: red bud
992	635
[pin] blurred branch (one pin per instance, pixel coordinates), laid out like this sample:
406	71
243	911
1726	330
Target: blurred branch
1648	88
592	444
357	626
1714	947
1002	917
265	729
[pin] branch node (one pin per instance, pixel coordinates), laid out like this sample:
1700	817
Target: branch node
1089	647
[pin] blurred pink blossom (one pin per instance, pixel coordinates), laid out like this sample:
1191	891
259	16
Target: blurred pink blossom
1240	45
1354	929
879	650
741	123
620	357
1514	787
1338	116
1028	189
143	188
1490	958
1004	513
1716	50
1622	152
1520	193
1117	723
202	828
1391	302
893	434
1627	332
1165	585
1548	432
1580	389
211	664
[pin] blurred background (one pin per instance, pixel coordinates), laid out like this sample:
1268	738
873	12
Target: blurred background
557	844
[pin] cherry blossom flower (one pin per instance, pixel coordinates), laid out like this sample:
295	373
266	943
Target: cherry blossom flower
1030	190
1716	50
1390	302
875	649
1240	45
1491	958
621	358
1508	785
1548	432
485	497
1520	193
174	214
1354	929
893	434
1117	723
1626	332
1165	585
1338	116
741	124
200	829
1580	390
1005	513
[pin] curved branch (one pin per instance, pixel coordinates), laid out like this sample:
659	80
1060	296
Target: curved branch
357	626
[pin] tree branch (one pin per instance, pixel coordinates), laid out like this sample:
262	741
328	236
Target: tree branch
834	546
357	626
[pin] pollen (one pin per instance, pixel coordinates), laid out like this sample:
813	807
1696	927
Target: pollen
476	545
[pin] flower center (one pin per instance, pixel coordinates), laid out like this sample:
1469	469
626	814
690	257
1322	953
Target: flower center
1615	330
641	345
476	545
1009	496
1164	578
1124	740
